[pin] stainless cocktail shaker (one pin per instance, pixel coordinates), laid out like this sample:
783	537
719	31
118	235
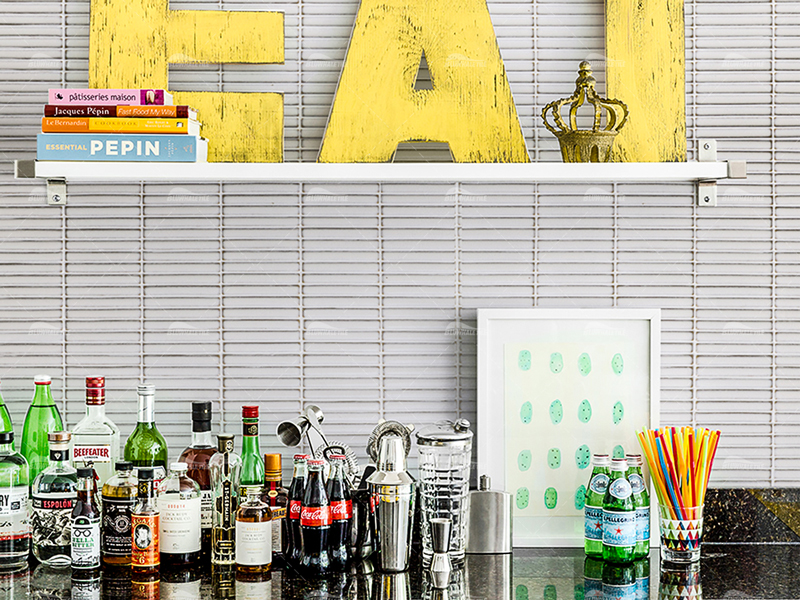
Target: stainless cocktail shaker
392	492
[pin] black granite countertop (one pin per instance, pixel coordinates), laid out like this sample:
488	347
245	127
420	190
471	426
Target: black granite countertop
758	571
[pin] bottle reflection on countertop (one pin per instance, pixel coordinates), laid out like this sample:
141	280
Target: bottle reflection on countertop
223	581
15	584
253	586
180	583
642	568
489	576
86	589
592	579
116	582
49	583
684	583
146	587
619	581
392	586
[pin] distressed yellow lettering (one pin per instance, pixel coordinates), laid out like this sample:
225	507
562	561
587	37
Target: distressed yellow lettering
470	106
133	42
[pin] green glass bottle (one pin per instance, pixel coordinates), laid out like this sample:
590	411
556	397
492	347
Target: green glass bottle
593	506
5	418
252	462
592	579
42	418
619	581
619	516
641	500
146	447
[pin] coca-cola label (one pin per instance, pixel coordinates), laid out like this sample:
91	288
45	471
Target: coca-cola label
295	508
341	510
315	516
92	453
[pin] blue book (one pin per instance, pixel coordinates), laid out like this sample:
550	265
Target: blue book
121	147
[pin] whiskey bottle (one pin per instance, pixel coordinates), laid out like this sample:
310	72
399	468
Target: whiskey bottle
146	447
253	533
197	456
85	525
42	419
145	556
15	536
54	494
95	439
225	467
119	496
252	463
179	508
277	498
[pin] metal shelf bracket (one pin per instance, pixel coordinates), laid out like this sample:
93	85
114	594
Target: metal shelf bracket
57	192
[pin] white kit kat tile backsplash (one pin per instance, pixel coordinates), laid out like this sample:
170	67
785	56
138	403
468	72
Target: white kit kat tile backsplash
362	298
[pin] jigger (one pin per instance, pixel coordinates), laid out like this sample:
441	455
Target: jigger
291	433
440	563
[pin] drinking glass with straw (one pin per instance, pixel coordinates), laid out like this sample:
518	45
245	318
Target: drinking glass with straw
680	460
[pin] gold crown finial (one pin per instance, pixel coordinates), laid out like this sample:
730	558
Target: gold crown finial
583	145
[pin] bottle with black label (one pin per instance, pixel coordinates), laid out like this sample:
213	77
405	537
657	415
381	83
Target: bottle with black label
86	528
54	493
15	535
119	496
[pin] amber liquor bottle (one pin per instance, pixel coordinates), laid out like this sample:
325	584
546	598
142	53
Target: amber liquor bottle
196	456
277	498
253	534
145	547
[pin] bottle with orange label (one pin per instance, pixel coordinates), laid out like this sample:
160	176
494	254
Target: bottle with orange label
277	497
145	550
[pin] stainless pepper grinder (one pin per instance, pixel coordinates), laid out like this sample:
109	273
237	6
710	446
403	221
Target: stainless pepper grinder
440	563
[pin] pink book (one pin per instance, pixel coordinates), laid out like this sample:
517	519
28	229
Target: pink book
100	97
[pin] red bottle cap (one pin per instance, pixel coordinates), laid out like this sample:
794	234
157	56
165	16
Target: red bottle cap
250	412
337	457
95	390
314	462
42	380
301	457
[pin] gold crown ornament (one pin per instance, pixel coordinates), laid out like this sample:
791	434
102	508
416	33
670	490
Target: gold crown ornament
584	145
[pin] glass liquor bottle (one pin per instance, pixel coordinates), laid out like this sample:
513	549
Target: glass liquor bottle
619	516
252	463
95	439
225	467
179	507
15	536
146	447
277	498
119	496
145	556
54	494
197	457
593	506
5	418
85	524
641	500
253	533
42	418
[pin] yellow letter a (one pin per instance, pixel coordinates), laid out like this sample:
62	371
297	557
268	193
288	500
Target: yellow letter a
470	106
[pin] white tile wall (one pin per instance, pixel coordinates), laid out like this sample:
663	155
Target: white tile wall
347	295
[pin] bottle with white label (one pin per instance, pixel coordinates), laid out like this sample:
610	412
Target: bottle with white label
180	507
619	516
641	500
86	519
253	533
15	536
96	439
593	506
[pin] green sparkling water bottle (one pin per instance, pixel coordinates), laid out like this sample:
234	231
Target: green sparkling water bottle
641	501
42	418
593	506
619	516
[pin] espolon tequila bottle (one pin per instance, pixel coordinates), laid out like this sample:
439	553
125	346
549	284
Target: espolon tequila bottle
54	495
146	447
15	536
95	439
42	419
225	468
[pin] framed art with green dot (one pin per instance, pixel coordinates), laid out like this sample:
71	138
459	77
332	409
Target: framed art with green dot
555	387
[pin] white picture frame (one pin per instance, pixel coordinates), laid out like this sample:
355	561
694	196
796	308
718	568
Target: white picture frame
500	331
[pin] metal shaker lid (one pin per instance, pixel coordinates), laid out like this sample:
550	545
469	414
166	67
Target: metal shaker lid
444	433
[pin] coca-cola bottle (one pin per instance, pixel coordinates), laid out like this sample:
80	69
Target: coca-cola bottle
297	489
338	489
315	523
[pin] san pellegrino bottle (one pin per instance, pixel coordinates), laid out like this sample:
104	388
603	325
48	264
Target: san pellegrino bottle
96	439
146	447
15	536
252	462
5	418
641	500
145	555
85	524
54	494
619	516
225	468
593	506
42	419
179	508
119	496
